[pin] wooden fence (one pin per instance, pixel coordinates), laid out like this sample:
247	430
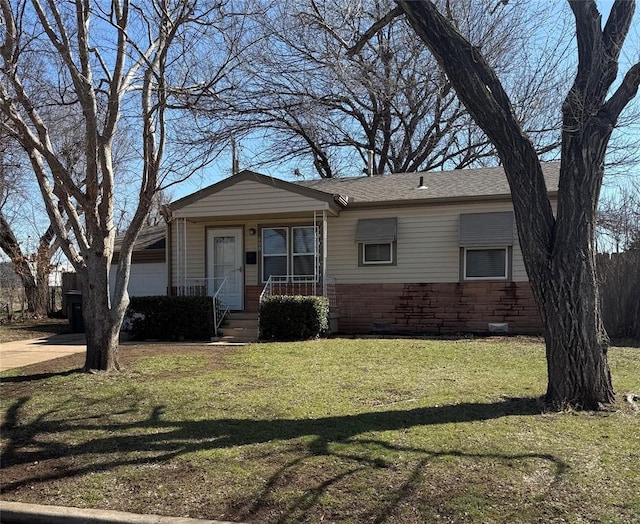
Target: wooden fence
619	276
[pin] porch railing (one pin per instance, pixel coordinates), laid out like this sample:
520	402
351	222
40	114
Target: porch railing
216	288
290	285
298	285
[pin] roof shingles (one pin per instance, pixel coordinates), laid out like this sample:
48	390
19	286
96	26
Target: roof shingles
460	184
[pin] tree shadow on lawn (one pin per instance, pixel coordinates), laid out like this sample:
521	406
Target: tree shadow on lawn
154	440
39	376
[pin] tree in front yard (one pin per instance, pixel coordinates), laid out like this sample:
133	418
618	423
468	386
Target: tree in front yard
558	249
118	67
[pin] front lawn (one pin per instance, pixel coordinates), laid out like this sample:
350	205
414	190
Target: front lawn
340	430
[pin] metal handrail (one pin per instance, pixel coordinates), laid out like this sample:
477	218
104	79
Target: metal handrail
220	309
264	293
200	287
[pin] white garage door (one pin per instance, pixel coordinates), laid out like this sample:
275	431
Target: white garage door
146	279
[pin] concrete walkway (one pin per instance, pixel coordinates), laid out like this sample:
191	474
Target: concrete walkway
24	352
18	513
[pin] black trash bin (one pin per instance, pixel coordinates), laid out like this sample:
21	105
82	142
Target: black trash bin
74	311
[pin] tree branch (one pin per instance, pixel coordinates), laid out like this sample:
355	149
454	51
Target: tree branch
369	33
617	26
627	90
486	100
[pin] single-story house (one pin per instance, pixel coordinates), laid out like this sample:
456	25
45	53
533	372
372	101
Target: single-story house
148	275
413	252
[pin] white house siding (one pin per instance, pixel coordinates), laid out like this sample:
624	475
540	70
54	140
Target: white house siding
196	241
427	244
249	197
428	248
193	256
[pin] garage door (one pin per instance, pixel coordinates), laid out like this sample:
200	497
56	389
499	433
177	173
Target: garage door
146	279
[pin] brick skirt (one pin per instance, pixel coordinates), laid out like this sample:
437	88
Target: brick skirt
442	308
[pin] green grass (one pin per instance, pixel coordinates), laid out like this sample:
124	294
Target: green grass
339	430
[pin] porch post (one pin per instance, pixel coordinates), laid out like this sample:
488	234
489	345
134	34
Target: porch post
184	252
178	232
168	255
324	252
181	255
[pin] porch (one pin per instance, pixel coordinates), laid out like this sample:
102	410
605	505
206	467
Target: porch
242	326
239	265
247	237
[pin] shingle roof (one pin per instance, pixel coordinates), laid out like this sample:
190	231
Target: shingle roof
150	237
461	184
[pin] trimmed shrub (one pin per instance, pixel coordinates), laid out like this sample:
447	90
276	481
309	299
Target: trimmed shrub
170	318
296	317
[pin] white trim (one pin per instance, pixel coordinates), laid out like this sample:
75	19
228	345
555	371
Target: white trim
486	248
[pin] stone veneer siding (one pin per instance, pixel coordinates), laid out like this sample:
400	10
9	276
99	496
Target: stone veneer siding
437	307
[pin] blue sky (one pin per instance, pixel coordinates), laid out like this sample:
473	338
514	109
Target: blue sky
249	149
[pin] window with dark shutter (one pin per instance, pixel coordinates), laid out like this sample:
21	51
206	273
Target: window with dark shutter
376	239
486	240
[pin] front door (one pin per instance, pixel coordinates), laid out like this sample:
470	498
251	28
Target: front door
224	260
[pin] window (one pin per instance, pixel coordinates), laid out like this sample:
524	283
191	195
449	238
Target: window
377	253
486	241
304	252
290	252
376	238
275	252
486	263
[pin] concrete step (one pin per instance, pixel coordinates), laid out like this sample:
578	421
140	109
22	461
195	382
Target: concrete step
238	323
239	327
242	315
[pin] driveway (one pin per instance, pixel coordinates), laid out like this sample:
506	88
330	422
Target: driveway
24	352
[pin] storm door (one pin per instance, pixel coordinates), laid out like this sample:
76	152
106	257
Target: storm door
225	260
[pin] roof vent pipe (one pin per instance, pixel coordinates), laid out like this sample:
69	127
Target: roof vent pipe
370	159
421	184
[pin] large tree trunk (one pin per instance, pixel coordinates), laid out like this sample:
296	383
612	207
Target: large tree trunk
102	325
37	294
576	341
559	252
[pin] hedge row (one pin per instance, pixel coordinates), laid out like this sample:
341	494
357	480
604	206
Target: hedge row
298	317
170	318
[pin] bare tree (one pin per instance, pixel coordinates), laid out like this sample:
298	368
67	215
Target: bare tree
313	101
558	249
619	218
114	65
33	268
619	260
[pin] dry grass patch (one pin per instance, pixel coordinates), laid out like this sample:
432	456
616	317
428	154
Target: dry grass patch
32	328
